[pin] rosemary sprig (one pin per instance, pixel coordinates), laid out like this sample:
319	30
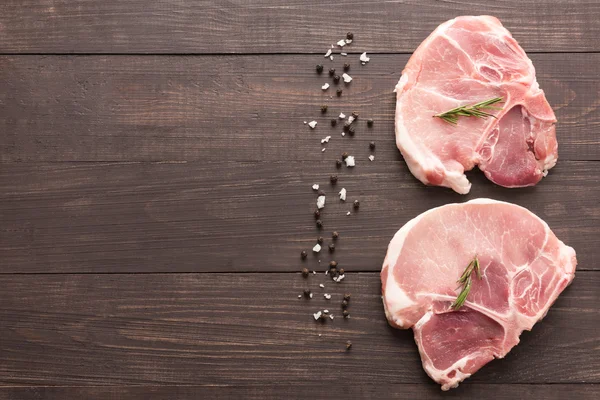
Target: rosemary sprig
475	110
465	282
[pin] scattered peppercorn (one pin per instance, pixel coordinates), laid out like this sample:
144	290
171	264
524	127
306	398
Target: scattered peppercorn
344	303
356	204
347	126
317	214
338	163
349	36
319	68
307	293
347	297
348	345
321	193
338	92
332	264
303	255
351	130
333	179
336	79
322	317
320	240
324	108
355	114
333	272
370	122
345	155
372	145
341	271
331	247
331	71
335	235
305	272
345	313
333	122
319	224
346	67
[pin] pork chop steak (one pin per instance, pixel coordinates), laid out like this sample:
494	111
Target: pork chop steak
465	61
524	268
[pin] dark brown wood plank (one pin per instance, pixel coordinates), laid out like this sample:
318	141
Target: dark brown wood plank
336	388
228	216
189	26
238	108
251	329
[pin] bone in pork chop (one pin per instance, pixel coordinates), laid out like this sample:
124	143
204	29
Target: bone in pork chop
465	61
524	267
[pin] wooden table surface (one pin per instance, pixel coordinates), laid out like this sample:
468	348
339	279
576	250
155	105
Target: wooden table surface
155	194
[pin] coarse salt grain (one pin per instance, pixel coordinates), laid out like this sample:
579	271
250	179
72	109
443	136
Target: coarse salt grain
331	316
323	150
325	311
343	194
372	157
317	248
299	296
343	133
317	315
328	53
314	272
315	186
341	43
339	278
348	41
343	54
321	285
364	58
348	213
312	124
310	295
320	202
347	78
304	122
350	161
351	119
325	139
331	58
327	272
327	296
325	86
342	116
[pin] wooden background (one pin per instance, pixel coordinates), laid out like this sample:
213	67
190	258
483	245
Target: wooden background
155	195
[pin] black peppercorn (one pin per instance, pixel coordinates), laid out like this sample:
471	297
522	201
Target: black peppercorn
372	145
324	108
356	203
332	264
348	345
338	163
307	293
345	155
344	303
331	247
345	313
338	92
331	71
347	126
303	255
321	193
333	122
370	122
319	68
355	114
351	130
320	240
349	36
347	297
319	224
341	271
333	272
336	79
317	214
346	67
335	235
333	179
305	272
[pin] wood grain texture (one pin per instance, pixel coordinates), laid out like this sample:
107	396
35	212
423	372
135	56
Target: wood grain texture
251	329
241	26
247	216
340	386
237	108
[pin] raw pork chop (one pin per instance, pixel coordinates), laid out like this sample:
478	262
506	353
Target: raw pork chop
524	268
465	61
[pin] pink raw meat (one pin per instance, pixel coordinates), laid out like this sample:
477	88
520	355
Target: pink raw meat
524	268
465	61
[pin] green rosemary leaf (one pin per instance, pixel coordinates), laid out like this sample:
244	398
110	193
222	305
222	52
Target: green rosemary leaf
465	283
475	110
